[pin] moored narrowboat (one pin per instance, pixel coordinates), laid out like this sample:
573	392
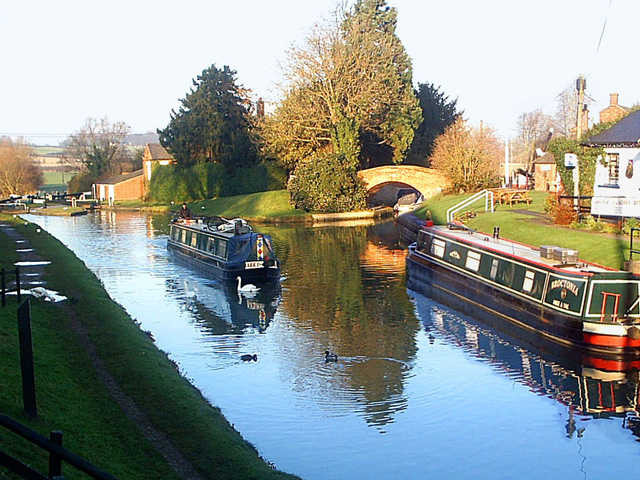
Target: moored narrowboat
547	290
225	249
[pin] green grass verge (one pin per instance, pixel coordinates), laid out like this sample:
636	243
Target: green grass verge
72	399
535	228
258	207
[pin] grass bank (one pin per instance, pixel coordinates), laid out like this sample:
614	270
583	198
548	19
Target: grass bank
529	224
73	399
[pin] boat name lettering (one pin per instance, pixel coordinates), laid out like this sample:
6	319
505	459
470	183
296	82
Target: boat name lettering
564	283
560	304
455	255
253	264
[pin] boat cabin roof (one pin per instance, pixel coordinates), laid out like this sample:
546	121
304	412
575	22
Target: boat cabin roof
200	224
516	249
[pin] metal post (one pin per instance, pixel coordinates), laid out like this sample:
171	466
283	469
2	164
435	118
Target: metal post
55	462
18	288
26	359
3	287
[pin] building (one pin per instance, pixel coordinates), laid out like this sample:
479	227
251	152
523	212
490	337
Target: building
616	191
545	173
614	111
134	185
154	154
127	186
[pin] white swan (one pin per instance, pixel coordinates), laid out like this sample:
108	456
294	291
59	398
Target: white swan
249	287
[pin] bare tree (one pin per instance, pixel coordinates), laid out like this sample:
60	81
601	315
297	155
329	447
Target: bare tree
98	146
19	175
469	156
565	117
534	130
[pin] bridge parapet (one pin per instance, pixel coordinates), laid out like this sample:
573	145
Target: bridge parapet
427	181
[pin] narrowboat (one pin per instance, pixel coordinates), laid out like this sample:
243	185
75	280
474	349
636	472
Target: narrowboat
546	290
224	249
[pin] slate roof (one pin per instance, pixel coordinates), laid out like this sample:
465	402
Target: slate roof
624	132
120	178
158	152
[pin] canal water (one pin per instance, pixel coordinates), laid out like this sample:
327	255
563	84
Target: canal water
419	391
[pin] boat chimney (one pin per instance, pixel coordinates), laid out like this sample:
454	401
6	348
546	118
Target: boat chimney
496	233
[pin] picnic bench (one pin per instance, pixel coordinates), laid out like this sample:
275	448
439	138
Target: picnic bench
509	196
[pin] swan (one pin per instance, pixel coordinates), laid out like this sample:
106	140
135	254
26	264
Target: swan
249	287
330	357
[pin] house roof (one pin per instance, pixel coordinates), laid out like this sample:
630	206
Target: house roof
120	178
625	132
158	152
547	158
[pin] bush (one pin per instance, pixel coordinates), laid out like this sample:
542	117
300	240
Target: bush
82	182
326	183
563	213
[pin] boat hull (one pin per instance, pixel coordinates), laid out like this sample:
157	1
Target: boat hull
470	294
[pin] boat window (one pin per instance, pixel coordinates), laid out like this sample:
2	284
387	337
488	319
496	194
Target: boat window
221	251
527	285
184	236
473	261
211	245
494	268
437	247
194	239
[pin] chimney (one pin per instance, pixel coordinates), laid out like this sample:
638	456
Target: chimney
614	99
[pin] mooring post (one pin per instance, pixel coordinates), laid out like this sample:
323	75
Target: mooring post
18	289
55	462
3	280
26	359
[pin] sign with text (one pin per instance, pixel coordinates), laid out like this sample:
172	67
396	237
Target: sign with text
616	206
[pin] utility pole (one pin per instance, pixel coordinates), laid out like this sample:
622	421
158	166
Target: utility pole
581	85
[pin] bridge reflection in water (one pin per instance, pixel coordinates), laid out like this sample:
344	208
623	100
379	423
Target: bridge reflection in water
590	386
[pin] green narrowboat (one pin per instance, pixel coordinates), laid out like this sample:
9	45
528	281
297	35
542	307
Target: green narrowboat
547	290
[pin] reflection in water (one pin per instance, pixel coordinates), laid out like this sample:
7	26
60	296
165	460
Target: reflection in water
583	383
419	391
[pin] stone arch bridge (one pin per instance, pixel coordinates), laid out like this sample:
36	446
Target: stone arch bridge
426	180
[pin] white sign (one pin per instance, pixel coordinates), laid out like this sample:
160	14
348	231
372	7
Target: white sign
616	206
570	160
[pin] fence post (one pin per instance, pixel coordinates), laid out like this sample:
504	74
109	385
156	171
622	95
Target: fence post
26	359
55	462
18	288
3	280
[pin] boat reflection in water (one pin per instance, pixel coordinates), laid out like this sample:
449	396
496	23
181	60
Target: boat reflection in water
218	308
590	386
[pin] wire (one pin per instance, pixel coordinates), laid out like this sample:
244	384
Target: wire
603	27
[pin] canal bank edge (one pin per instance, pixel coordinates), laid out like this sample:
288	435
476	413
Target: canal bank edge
177	411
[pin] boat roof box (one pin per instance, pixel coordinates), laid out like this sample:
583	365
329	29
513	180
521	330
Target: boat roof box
546	251
565	255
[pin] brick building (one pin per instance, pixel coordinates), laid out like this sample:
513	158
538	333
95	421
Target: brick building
614	111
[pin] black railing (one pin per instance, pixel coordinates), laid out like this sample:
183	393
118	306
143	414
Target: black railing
57	455
4	274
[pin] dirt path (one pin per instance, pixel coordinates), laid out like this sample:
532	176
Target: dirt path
34	275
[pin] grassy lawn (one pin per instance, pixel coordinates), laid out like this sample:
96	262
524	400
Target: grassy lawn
535	228
71	398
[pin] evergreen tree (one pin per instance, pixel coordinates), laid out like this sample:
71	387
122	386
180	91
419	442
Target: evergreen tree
213	123
438	112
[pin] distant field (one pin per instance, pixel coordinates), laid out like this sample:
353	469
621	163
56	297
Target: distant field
48	150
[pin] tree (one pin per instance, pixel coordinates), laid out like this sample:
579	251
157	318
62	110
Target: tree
566	111
534	131
98	146
19	175
437	114
213	124
469	156
348	92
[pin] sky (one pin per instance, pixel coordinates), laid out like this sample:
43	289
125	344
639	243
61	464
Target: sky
65	61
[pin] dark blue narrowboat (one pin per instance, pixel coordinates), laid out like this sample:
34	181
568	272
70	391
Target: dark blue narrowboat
224	249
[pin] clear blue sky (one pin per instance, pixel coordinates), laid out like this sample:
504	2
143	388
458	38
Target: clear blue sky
64	61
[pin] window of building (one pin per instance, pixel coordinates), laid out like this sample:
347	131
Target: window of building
613	166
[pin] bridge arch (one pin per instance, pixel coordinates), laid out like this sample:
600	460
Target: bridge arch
425	180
